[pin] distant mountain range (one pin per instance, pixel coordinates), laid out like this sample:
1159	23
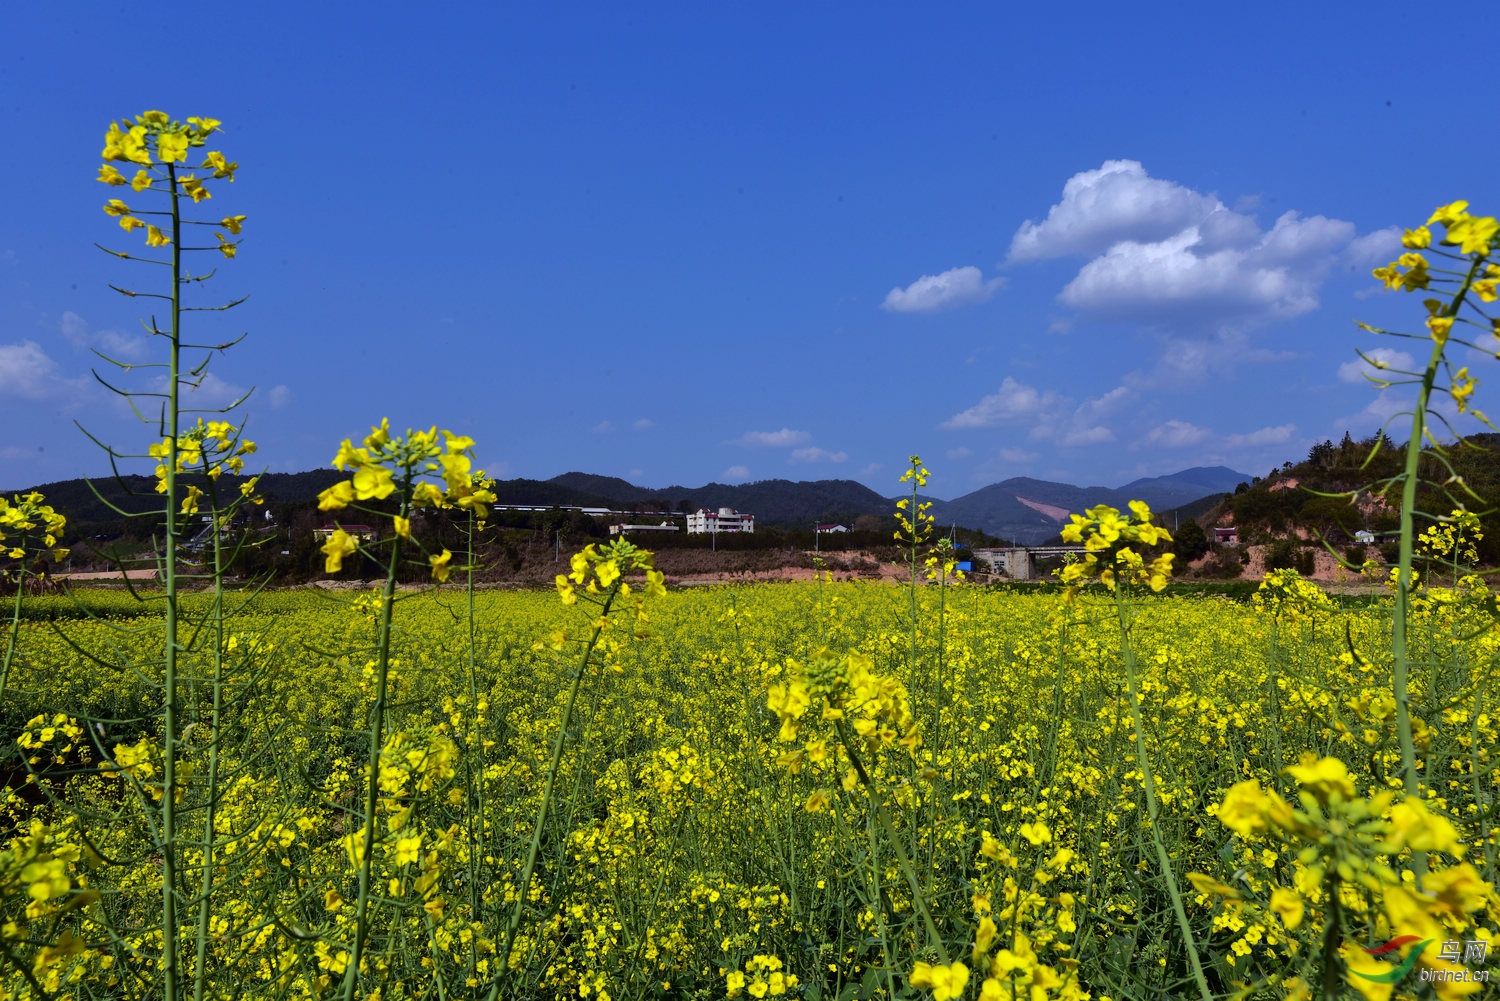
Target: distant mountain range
1029	510
1020	508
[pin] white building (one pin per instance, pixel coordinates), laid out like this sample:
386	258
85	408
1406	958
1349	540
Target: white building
665	526
727	519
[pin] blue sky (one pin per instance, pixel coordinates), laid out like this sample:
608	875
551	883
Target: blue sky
678	244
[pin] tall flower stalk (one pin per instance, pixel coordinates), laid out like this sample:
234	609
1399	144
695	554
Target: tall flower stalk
1108	538
158	147
419	471
1463	275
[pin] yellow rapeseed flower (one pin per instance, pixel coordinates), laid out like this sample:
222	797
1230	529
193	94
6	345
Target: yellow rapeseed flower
172	147
339	545
947	982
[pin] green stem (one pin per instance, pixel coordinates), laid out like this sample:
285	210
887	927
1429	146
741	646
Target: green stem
169	947
1332	934
377	744
1148	783
477	785
877	804
542	807
1400	653
878	899
205	893
15	622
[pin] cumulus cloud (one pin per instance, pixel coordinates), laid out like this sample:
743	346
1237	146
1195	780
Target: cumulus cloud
1162	253
1077	437
1100	208
644	424
1051	416
279	396
1278	275
208	391
109	342
603	427
1359	370
785	438
872	469
1177	434
736	473
1374	248
814	454
1018	455
1265	436
26	371
1014	402
958	453
1182	434
930	293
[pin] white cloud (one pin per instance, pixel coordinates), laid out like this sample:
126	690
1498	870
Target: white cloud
815	454
1087	436
109	342
1162	253
1265	436
958	453
637	474
785	438
1190	276
930	293
10	452
1107	403
1359	370
1102	207
1014	402
279	396
1018	455
1374	248
26	371
603	427
1177	434
736	473
208	391
644	424
872	469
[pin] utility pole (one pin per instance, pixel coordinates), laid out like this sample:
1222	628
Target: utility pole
815	537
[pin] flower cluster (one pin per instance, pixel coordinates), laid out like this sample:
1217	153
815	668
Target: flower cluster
1473	236
761	977
156	144
1454	537
1107	535
599	576
25	514
875	705
429	469
596	571
1284	594
211	448
913	516
1344	874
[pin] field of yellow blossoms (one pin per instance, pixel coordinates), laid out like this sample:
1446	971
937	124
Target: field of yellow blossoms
703	847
